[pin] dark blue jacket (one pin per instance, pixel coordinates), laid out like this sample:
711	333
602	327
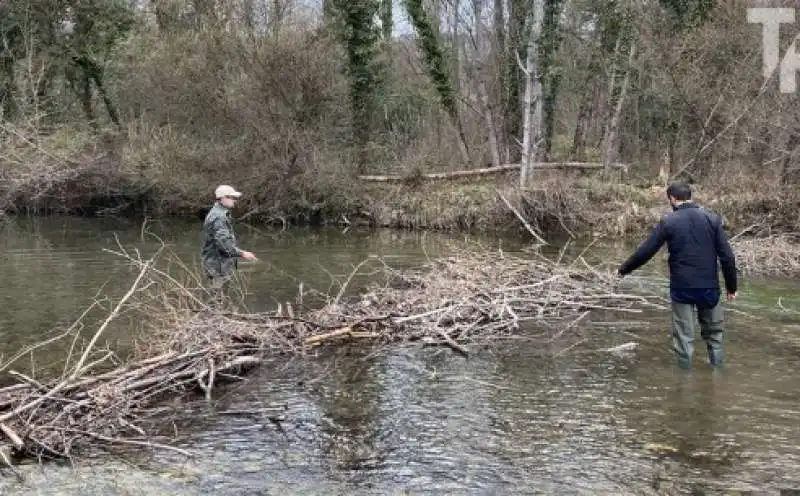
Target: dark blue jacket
696	241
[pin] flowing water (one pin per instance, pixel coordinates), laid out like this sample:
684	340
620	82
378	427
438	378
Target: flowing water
522	418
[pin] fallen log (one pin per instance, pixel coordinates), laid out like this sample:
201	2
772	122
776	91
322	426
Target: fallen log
490	171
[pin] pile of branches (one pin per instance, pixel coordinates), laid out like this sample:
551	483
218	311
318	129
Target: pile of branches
474	297
190	345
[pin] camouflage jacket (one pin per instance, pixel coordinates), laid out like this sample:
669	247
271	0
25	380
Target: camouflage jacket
220	251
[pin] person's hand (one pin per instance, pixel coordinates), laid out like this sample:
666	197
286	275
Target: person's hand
246	255
730	296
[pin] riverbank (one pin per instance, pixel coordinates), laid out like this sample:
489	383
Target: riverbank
112	177
580	205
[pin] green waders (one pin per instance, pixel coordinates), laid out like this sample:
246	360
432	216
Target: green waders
711	330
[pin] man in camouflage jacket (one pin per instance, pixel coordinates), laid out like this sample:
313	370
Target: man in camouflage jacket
220	252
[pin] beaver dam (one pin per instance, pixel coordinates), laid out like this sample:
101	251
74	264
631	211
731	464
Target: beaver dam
472	297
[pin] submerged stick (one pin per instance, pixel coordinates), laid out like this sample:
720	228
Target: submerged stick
133	442
452	344
319	338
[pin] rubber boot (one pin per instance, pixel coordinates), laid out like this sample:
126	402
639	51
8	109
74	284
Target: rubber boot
715	355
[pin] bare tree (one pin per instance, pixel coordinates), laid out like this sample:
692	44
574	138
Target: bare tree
612	137
532	104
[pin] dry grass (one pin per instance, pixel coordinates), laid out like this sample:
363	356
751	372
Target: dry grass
777	255
558	203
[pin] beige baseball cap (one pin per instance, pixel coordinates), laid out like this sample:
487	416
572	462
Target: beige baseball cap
225	190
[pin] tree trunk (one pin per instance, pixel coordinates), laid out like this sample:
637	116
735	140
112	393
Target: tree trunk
549	114
488	112
612	85
612	142
455	49
792	145
430	45
485	46
89	71
551	77
8	87
113	114
386	20
532	104
512	96
86	95
578	150
499	58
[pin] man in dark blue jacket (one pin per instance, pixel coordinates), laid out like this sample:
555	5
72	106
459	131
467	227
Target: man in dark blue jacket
696	241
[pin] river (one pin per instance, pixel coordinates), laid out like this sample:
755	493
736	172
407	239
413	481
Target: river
512	419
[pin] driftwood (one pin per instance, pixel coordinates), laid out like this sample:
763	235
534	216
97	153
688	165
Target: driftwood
491	171
470	297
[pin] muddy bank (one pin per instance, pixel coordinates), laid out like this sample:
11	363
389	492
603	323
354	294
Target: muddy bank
560	205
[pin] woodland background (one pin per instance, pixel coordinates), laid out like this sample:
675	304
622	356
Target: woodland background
113	104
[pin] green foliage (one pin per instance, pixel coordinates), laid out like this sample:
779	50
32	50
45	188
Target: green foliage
433	54
689	14
100	25
74	38
356	28
97	26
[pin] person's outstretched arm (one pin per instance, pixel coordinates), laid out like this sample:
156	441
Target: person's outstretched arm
726	259
646	250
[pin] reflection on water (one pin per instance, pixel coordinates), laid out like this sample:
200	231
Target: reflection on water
511	421
508	420
53	268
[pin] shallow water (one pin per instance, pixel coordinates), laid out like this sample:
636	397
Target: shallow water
518	418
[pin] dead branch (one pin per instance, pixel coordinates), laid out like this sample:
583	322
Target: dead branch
488	171
521	218
469	297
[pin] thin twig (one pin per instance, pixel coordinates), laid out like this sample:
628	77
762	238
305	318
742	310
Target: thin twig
111	317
